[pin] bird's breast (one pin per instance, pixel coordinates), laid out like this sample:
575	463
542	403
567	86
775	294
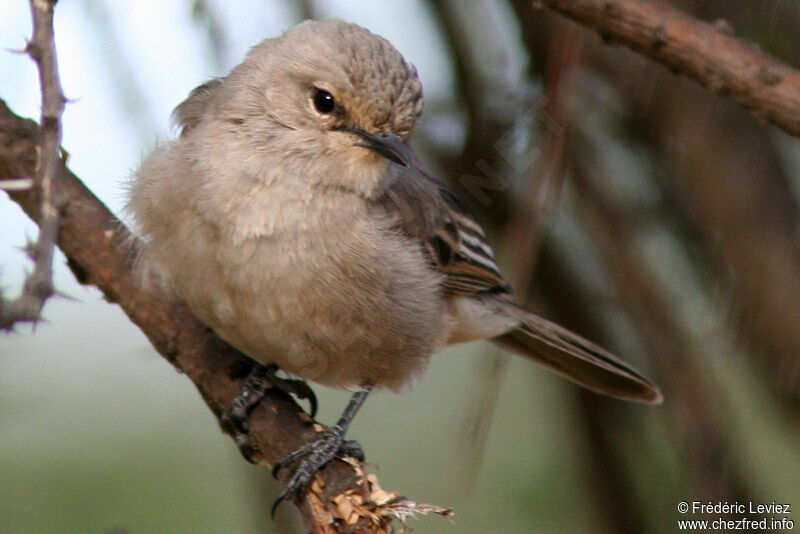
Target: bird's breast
320	285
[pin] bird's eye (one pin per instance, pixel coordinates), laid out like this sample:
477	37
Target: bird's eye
323	101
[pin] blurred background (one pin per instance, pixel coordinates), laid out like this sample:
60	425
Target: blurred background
626	203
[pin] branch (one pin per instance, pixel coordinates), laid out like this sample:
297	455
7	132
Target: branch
700	418
100	251
480	172
209	21
746	227
38	285
707	53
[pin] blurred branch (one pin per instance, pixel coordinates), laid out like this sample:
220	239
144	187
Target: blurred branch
700	429
470	83
306	9
38	285
746	228
707	53
541	190
479	173
207	17
606	429
561	51
129	91
523	231
100	251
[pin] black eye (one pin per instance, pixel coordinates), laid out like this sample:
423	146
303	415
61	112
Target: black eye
323	101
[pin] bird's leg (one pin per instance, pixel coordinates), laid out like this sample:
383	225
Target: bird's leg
314	455
261	379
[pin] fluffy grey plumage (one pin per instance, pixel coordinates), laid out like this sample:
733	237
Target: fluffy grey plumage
295	222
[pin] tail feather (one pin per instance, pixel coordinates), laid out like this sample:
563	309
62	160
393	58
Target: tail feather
573	357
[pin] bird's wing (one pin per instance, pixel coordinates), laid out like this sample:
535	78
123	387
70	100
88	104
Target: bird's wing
456	246
453	240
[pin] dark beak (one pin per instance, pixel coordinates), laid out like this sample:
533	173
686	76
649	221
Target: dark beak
387	144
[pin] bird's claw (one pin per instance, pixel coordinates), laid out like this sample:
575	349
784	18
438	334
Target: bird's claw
236	418
299	389
312	457
258	382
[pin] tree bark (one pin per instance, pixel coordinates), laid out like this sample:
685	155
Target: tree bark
707	53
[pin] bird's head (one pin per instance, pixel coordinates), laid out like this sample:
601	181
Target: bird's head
336	101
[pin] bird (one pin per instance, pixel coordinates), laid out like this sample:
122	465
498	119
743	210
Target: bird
294	218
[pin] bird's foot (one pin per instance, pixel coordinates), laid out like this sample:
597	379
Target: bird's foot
312	457
261	379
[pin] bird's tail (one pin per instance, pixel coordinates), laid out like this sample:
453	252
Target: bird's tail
573	357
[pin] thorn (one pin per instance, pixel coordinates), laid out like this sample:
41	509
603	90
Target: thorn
29	248
65	296
35	322
18	50
16	184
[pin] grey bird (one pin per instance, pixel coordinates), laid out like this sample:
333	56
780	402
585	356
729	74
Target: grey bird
295	221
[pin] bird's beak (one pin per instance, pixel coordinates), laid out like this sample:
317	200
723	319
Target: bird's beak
387	144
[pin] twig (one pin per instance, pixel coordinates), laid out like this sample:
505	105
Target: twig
707	53
38	285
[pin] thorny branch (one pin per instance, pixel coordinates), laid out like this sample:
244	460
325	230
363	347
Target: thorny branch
707	53
38	285
100	250
342	498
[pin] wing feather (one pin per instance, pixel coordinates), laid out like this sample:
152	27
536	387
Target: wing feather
456	245
454	241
